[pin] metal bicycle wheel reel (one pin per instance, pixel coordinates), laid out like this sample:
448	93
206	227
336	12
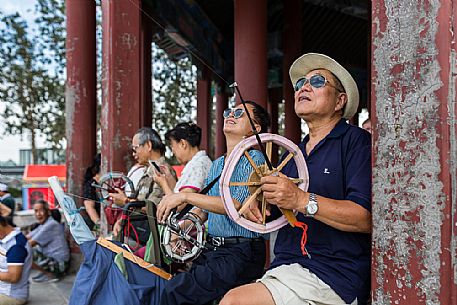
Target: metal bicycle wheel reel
112	180
183	240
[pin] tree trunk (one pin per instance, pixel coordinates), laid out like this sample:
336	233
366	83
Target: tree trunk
34	149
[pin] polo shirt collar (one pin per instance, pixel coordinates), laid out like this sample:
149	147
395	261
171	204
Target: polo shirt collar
8	237
5	196
340	129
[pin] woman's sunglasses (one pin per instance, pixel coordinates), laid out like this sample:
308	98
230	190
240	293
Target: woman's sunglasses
237	113
316	81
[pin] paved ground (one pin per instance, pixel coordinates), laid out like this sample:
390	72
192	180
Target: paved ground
51	293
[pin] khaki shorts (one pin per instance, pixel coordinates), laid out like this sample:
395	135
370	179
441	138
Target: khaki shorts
293	284
7	300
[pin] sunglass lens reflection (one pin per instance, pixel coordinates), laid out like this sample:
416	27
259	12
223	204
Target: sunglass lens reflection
237	113
300	83
316	81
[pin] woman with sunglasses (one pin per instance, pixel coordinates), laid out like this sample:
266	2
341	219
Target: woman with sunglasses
234	255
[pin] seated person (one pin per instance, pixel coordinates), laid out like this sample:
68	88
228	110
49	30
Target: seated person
241	258
334	268
15	265
50	248
185	141
91	202
148	149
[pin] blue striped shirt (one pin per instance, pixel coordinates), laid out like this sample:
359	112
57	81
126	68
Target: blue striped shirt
222	225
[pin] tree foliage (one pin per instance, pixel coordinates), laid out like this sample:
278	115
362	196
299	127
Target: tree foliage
174	91
32	63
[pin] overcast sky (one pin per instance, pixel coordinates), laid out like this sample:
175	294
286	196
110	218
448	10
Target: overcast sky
9	146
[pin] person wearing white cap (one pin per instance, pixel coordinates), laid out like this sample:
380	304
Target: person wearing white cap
331	266
7	203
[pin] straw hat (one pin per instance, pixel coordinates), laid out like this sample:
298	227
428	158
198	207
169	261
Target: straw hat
313	61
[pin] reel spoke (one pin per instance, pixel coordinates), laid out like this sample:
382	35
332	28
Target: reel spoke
254	166
284	162
248	202
269	149
247	183
296	180
264	210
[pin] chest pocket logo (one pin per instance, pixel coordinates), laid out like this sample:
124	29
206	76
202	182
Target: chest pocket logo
326	171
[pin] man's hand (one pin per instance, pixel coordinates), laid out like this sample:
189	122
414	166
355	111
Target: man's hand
282	192
117	227
167	204
119	197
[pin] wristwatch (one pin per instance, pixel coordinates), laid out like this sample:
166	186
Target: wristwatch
311	208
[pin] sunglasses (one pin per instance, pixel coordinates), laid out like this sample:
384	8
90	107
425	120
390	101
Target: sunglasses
237	113
316	81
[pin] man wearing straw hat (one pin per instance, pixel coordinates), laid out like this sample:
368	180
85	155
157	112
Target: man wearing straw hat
336	207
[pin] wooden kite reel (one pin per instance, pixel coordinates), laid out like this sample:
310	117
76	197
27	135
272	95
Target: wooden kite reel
253	183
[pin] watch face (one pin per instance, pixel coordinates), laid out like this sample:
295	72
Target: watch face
312	208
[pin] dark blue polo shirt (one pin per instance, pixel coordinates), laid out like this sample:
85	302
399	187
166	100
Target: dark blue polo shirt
339	168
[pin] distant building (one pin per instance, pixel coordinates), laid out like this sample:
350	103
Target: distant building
45	156
11	174
7	163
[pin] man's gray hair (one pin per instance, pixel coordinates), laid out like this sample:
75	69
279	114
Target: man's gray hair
147	134
44	203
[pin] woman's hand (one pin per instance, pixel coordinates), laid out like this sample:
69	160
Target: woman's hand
167	204
160	179
171	180
253	213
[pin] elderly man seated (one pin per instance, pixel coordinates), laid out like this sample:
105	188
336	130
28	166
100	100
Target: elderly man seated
51	253
148	150
15	265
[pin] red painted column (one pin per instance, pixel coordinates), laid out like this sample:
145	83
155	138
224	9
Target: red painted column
221	105
292	43
251	49
80	93
274	99
146	72
122	80
203	107
414	85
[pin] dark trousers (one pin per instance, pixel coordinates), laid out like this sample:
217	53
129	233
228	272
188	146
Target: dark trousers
215	272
